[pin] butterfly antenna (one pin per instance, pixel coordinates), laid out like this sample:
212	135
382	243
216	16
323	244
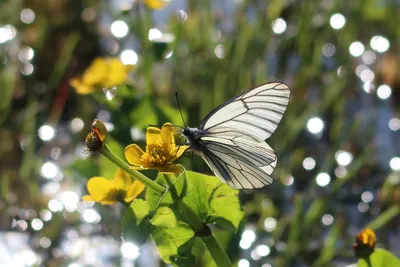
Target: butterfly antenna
179	107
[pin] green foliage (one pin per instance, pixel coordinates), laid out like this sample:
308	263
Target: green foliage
379	258
136	225
193	199
164	218
175	243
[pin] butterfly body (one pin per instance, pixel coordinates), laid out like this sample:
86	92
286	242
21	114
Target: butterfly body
231	138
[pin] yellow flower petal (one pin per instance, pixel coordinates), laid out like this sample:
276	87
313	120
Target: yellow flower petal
122	180
170	168
133	154
88	198
99	188
167	133
108	202
179	151
117	73
153	136
156	4
81	88
96	72
134	191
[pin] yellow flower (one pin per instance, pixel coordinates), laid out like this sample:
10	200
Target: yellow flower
109	192
161	151
365	243
367	238
102	72
156	4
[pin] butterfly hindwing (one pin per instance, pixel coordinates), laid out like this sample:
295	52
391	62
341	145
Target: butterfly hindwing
241	163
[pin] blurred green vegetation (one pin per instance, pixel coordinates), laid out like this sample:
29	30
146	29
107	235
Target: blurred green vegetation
65	40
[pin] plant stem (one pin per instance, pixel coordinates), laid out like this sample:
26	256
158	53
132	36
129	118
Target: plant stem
107	152
216	251
202	230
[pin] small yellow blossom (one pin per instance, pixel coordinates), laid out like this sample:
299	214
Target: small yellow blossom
109	192
102	73
367	238
365	243
156	4
161	151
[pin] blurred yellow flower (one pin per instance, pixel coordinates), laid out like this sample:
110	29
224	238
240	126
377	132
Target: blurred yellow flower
365	243
156	4
367	238
161	151
102	73
109	192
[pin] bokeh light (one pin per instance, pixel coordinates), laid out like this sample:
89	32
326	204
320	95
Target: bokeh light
356	49
379	43
248	237
129	57
119	28
279	26
337	21
343	158
129	250
315	125
243	263
384	91
395	163
323	179
49	170
27	16
309	163
46	132
394	124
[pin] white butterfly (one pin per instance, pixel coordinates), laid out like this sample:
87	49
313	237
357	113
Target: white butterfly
231	138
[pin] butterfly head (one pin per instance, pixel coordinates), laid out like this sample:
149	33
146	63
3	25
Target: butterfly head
193	135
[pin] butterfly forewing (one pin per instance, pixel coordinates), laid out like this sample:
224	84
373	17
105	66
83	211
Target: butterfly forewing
254	114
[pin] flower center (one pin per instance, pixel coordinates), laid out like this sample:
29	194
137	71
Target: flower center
158	155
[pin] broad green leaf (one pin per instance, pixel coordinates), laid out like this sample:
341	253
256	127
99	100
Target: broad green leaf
155	199
379	258
174	243
200	189
213	201
164	217
135	224
225	207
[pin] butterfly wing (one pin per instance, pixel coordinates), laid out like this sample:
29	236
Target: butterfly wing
241	163
254	115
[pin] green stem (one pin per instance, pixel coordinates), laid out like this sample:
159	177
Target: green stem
107	152
216	251
201	229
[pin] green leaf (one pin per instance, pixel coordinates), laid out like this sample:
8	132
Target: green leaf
155	199
379	258
207	196
175	244
213	201
225	207
200	189
164	217
136	225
